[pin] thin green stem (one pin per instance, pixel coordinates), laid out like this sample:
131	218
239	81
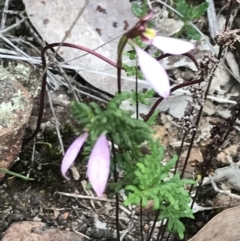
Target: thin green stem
16	174
121	45
180	31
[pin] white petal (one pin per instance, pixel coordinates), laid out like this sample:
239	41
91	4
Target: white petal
154	73
172	45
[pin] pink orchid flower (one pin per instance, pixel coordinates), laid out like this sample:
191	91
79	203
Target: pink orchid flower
153	71
151	68
71	153
98	166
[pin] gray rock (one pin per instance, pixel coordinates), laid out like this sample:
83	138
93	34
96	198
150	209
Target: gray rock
15	110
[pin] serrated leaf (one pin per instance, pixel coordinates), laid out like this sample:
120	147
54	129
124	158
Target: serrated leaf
170	199
182	6
137	10
156	202
141	167
132	199
170	224
200	10
138	174
132	188
191	32
144	200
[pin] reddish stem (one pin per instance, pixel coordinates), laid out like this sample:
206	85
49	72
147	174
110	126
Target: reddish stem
154	107
44	81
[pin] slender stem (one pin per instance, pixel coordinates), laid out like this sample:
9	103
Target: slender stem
122	43
44	79
197	123
141	219
176	35
230	128
188	154
136	90
137	112
203	171
85	49
194	133
163	231
180	151
16	174
119	73
225	27
168	237
153	226
186	54
115	175
228	14
154	107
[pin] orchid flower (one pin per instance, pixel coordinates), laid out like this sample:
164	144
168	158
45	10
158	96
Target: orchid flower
151	68
71	153
98	165
154	73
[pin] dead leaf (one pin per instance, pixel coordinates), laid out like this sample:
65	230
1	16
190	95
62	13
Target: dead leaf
224	226
147	209
162	134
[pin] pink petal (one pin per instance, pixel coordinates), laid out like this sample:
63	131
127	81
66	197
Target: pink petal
154	73
72	153
148	16
99	165
172	45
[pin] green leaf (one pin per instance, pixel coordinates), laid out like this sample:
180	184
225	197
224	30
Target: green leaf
144	200
183	8
118	186
190	13
179	227
170	198
153	119
200	10
170	224
192	33
141	167
137	10
132	199
156	202
131	188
